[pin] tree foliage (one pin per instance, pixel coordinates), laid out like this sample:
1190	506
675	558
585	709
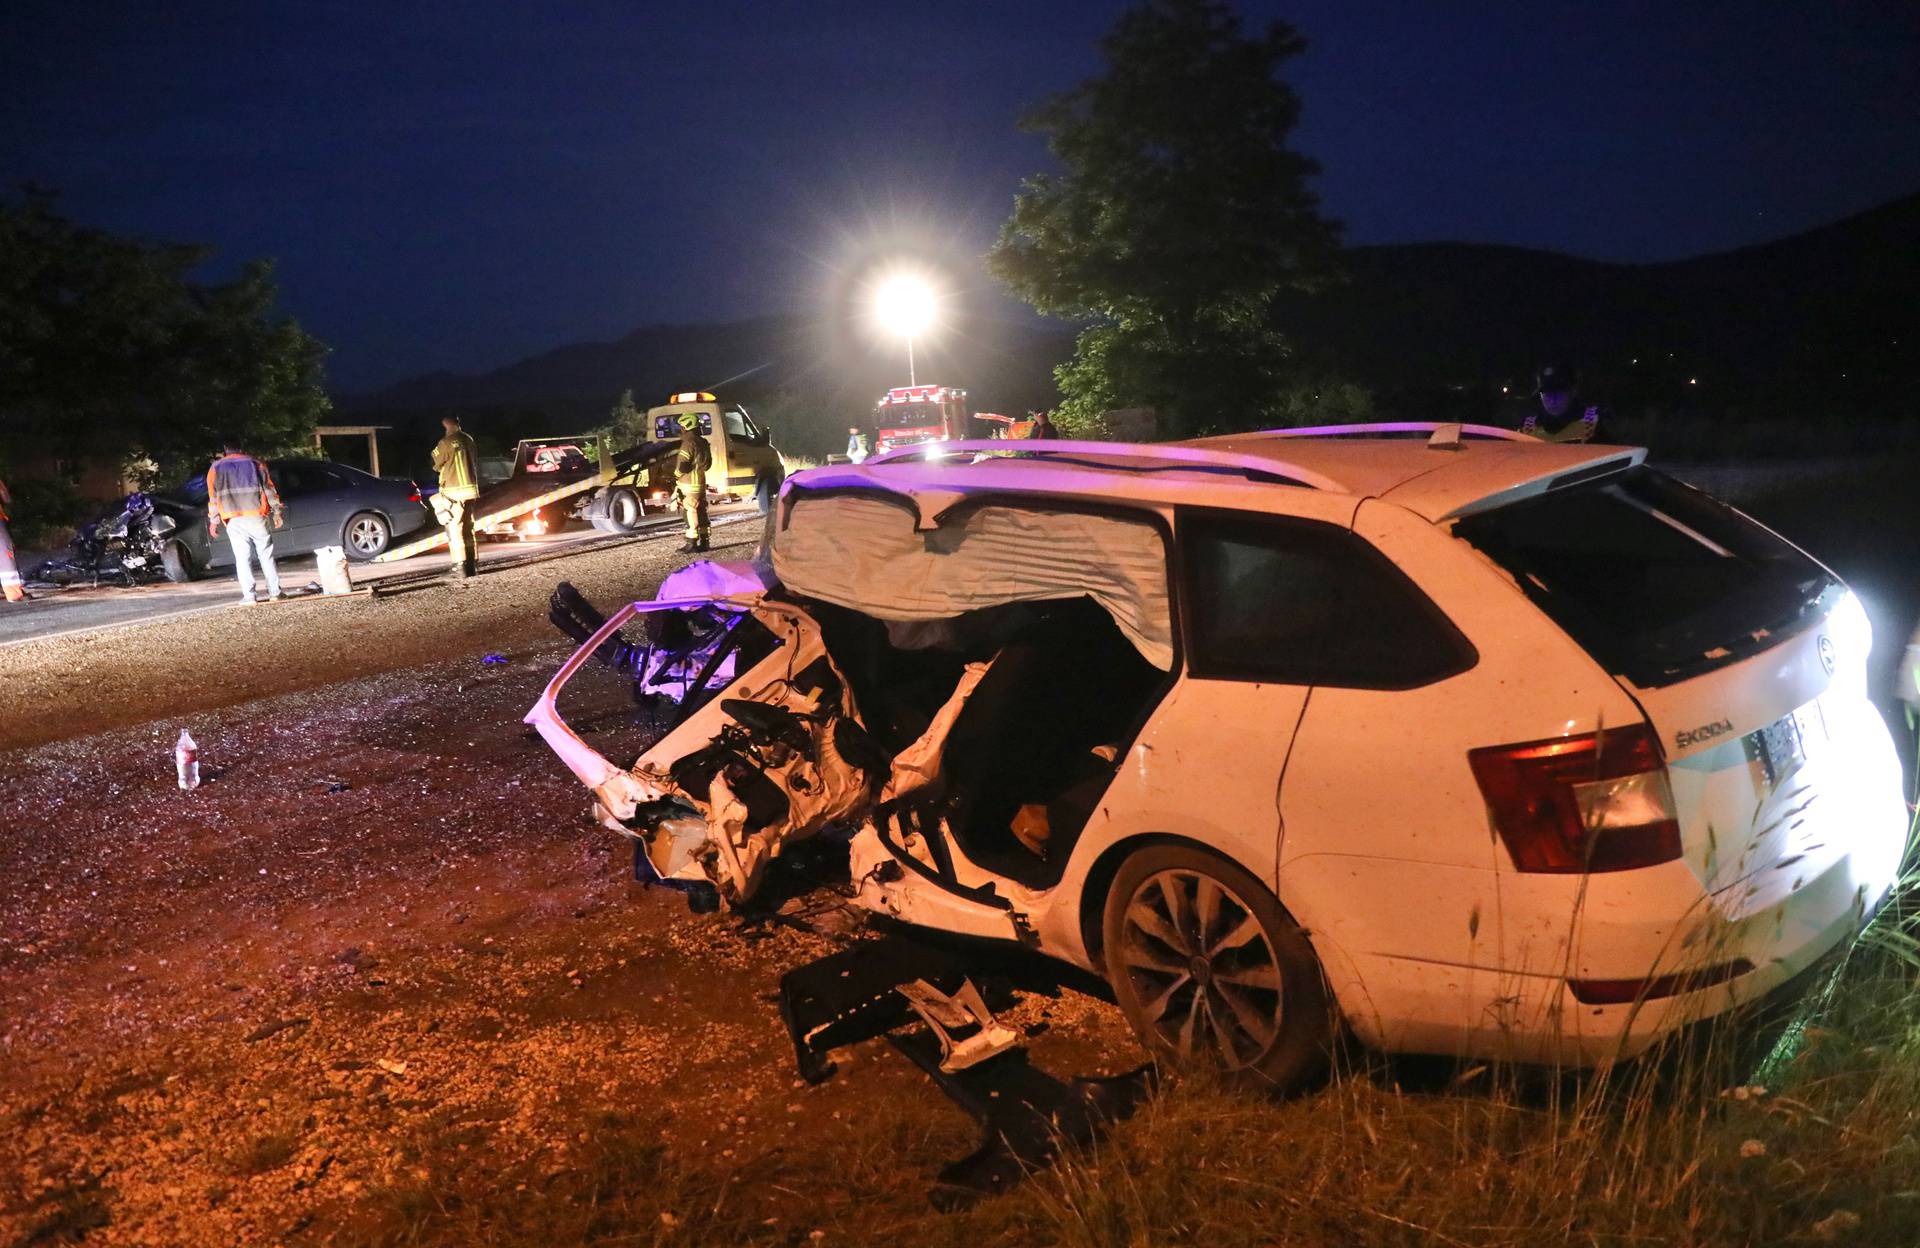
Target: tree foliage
1177	217
109	349
626	422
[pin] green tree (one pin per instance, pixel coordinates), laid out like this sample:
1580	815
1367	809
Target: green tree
626	422
1178	215
109	349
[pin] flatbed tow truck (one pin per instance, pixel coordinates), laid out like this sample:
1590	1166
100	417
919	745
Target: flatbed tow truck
555	479
558	475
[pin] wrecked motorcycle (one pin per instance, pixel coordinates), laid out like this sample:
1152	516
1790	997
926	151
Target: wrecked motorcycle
129	548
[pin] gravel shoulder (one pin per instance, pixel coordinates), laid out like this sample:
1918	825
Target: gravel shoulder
381	980
65	686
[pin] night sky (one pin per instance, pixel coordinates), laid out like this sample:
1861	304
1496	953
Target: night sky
457	185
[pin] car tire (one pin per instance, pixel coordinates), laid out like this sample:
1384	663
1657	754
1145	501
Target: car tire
616	510
1213	973
177	561
365	535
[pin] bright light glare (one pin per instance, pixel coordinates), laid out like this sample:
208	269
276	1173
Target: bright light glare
903	304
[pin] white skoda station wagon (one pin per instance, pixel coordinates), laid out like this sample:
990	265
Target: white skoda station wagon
1459	741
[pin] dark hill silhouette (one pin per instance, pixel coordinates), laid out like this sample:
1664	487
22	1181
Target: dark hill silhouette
1829	316
1826	320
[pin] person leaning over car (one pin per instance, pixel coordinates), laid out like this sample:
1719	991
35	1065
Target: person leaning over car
9	571
1559	412
459	471
240	494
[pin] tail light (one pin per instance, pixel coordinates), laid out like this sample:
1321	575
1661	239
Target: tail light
415	496
1596	802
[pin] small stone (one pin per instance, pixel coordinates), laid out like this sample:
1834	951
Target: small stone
1753	1148
391	1066
668	1220
1836	1224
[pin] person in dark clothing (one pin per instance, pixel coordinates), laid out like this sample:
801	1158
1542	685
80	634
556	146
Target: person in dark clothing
1558	412
1043	426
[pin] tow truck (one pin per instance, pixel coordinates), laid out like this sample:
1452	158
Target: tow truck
745	461
581	476
555	480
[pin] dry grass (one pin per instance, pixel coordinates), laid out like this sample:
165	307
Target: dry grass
1710	1143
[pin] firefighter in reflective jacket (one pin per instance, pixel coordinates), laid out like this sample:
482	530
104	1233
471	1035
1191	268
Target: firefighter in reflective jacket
458	468
9	572
690	464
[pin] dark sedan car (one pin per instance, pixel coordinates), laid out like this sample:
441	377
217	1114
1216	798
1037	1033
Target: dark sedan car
326	505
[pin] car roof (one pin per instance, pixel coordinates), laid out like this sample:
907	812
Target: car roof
1436	482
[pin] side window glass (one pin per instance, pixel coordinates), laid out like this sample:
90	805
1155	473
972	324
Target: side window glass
1303	603
292	477
736	422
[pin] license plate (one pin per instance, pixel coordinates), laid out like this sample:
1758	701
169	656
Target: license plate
1777	749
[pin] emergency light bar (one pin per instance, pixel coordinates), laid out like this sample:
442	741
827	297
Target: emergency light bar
692	396
920	394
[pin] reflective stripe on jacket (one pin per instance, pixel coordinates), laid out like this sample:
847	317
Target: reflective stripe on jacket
240	485
454	461
692	461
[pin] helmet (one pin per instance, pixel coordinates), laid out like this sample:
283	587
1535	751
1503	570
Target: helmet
1553	379
689	421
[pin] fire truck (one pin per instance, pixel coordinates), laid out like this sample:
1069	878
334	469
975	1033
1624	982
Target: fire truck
909	414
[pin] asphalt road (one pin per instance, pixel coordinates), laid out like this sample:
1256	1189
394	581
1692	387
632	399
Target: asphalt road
54	612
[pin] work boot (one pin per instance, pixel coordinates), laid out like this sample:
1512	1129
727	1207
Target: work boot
689	546
702	544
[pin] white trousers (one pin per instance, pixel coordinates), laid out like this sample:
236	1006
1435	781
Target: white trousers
249	535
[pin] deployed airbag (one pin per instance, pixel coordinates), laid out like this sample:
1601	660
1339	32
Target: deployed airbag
864	553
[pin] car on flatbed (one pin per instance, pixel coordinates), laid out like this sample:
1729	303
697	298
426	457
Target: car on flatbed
1453	740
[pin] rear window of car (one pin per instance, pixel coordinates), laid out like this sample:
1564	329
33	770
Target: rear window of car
1305	603
1655	579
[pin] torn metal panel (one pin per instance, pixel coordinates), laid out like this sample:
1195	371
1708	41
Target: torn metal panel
781	758
968	1032
918	766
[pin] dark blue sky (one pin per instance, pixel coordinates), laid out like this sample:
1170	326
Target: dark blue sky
455	185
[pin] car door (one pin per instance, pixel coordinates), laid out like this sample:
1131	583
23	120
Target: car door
1207	764
743	460
302	486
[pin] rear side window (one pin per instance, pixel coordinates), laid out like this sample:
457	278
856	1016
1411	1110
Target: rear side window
1653	578
1302	603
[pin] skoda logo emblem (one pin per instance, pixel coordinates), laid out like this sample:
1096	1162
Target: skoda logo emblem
1826	653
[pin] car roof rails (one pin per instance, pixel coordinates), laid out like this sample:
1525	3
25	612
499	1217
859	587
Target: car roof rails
1494	432
1165	456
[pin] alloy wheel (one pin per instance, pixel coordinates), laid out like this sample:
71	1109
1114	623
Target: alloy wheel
1206	974
367	535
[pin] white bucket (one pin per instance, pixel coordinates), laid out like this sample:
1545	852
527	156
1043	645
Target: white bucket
332	561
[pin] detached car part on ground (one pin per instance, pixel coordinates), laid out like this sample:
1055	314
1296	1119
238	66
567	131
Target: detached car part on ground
1472	745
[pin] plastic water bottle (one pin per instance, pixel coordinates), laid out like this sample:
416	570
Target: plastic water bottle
186	760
